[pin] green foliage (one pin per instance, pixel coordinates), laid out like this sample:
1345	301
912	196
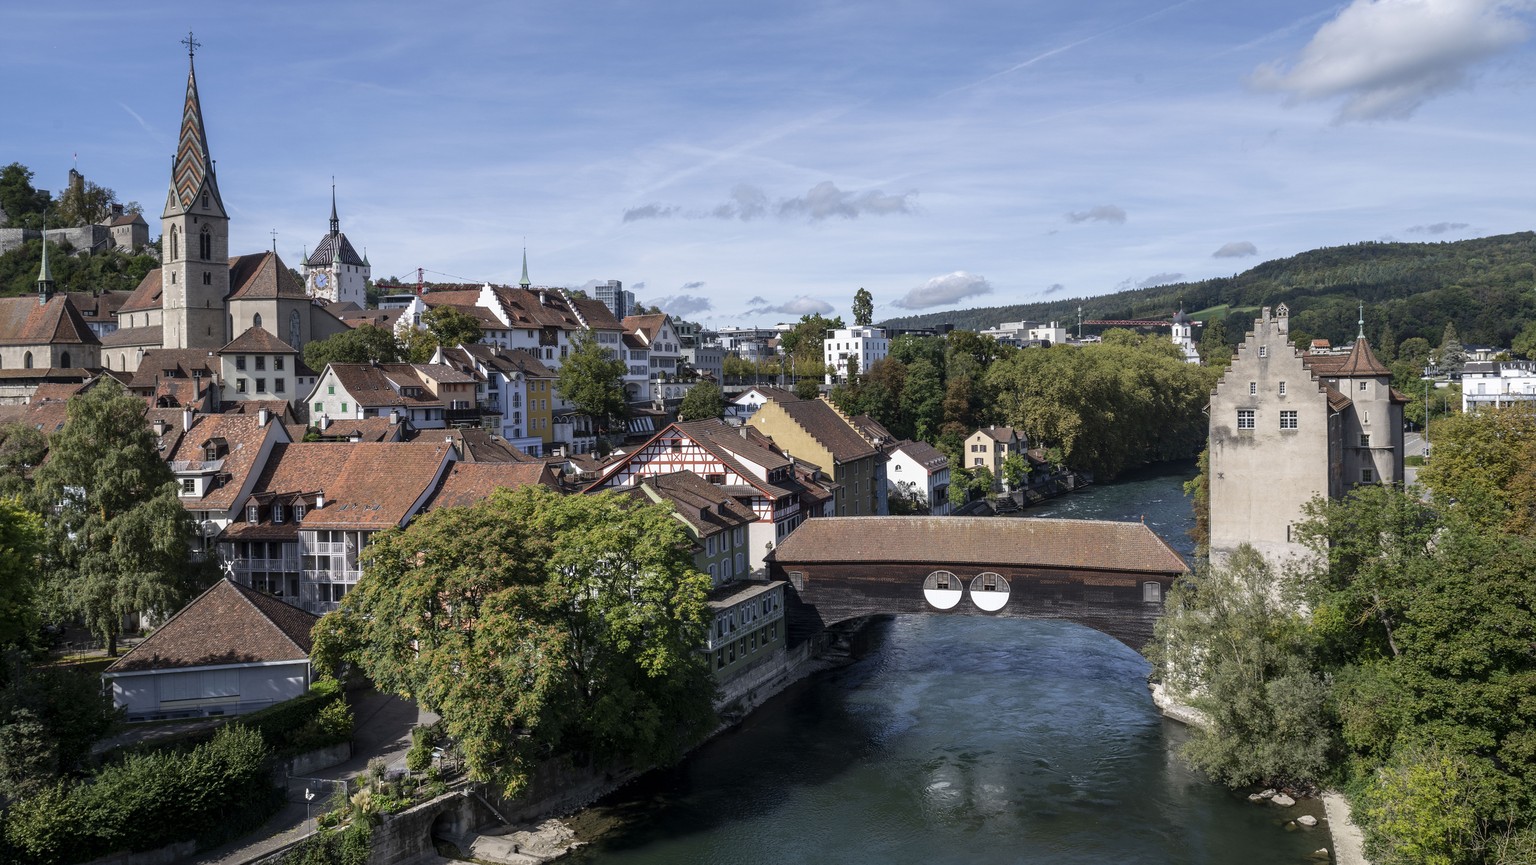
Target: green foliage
1451	357
804	343
87	205
535	625
317	719
1015	470
104	270
148	801
592	380
20	549
1422	808
806	388
1524	344
419	757
1486	461
59	711
863	307
20	199
1198	488
348	846
1231	649
366	344
117	540
1483	285
702	401
451	327
22	449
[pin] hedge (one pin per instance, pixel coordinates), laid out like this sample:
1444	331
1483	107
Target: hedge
147	801
311	720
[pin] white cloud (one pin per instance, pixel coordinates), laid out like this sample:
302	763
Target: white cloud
946	289
1158	279
694	285
1438	228
1236	249
682	304
825	200
1388	57
797	306
649	211
747	203
1054	288
1101	213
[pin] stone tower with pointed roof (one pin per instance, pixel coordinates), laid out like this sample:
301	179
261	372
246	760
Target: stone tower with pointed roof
334	272
1288	427
194	236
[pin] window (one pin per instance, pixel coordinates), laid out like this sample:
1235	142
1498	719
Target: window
188	486
741	565
1365	440
277	514
319	408
738	536
277	364
251	514
710	545
1362	385
1367	476
207	277
1245	418
343	408
1263	351
1253	388
278	385
261	360
330	390
205	243
298	511
1288	420
239	385
240	362
1282	388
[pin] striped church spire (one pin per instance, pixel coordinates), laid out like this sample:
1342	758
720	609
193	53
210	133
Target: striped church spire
192	173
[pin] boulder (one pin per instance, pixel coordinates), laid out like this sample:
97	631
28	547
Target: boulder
1307	820
1268	794
1282	800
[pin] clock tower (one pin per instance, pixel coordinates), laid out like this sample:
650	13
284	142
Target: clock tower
194	236
334	272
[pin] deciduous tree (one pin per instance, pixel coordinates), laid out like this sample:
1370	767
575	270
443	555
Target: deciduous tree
591	379
702	401
365	344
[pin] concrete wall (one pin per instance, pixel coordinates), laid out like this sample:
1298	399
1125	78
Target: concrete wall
1262	477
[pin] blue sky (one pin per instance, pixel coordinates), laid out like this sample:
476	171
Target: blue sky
746	163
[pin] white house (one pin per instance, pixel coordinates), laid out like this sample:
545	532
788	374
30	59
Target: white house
1492	383
863	345
232	650
920	470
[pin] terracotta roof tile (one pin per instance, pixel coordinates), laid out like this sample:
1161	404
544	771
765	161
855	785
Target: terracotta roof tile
367	485
823	423
1049	543
467	484
923	453
146	295
708	509
134	337
258	340
262	276
227	624
242	436
24	321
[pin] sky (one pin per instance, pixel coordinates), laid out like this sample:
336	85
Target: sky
744	164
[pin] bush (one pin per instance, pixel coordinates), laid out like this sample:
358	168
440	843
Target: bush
423	740
347	846
147	801
306	722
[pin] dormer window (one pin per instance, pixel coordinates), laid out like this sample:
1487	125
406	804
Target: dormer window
298	512
277	514
252	514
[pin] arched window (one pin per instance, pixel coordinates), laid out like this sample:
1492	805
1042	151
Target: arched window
174	251
26	361
205	245
122	362
256	320
64	360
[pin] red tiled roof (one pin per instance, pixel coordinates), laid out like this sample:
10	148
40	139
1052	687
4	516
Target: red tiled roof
243	436
367	485
467	484
923	453
24	321
257	340
645	325
178	362
262	276
1362	361
1047	543
146	295
823	423
134	337
227	624
706	508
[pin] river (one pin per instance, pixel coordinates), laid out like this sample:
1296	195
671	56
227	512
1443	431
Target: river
958	739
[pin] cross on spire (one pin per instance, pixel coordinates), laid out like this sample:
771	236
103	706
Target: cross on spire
192	44
274	241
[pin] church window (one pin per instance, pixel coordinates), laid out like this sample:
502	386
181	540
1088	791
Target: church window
174	244
1263	351
26	361
173	278
256	322
1253	388
205	244
207	278
1282	388
205	199
1288	420
1245	418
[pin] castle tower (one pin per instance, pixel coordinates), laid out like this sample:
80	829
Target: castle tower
334	272
195	236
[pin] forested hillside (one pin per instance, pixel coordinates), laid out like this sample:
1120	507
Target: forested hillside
1485	286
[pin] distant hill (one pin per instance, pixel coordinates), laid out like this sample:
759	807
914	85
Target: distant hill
1487	286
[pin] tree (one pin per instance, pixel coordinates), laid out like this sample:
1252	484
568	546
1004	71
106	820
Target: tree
1415	351
20	550
117	540
1231	649
701	402
592	380
863	308
88	204
1486	461
22	449
1015	470
23	204
1452	356
49	717
1214	348
1524	345
536	625
806	388
451	326
366	344
804	343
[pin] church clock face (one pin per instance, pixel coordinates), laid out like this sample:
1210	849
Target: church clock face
322	280
293	329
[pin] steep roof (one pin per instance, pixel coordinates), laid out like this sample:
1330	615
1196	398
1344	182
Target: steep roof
227	624
325	251
257	340
366	383
367	485
193	170
647	326
1362	361
1049	543
243	435
1002	433
923	453
262	276
824	424
161	363
706	508
24	321
134	337
467	484
147	295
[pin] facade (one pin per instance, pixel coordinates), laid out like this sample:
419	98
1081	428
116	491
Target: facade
259	366
232	650
859	347
813	431
1288	427
612	295
1049	334
989	448
749	629
919	472
1497	384
716	521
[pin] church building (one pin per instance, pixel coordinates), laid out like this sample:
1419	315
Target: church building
1289	426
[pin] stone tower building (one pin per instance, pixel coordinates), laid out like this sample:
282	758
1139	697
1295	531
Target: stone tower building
1288	427
334	272
194	239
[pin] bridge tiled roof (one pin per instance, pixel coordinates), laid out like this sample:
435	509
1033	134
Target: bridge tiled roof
940	541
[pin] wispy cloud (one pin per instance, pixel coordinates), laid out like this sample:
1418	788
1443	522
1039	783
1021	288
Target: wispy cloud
1101	213
797	306
1386	58
1054	288
1438	228
747	202
822	201
153	132
649	211
946	289
682	304
1154	279
693	285
1236	249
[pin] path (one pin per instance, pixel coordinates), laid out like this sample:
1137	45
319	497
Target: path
1348	843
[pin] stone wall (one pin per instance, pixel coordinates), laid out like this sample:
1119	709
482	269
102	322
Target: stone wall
89	238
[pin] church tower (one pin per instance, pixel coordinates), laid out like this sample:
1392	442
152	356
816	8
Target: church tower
334	272
194	236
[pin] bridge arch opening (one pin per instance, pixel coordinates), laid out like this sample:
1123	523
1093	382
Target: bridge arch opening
989	591
942	590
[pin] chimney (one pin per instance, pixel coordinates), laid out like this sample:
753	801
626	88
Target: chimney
394	417
186	419
160	426
262	417
325	422
319	500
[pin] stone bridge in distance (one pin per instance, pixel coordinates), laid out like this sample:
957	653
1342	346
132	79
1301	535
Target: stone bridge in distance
1110	576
